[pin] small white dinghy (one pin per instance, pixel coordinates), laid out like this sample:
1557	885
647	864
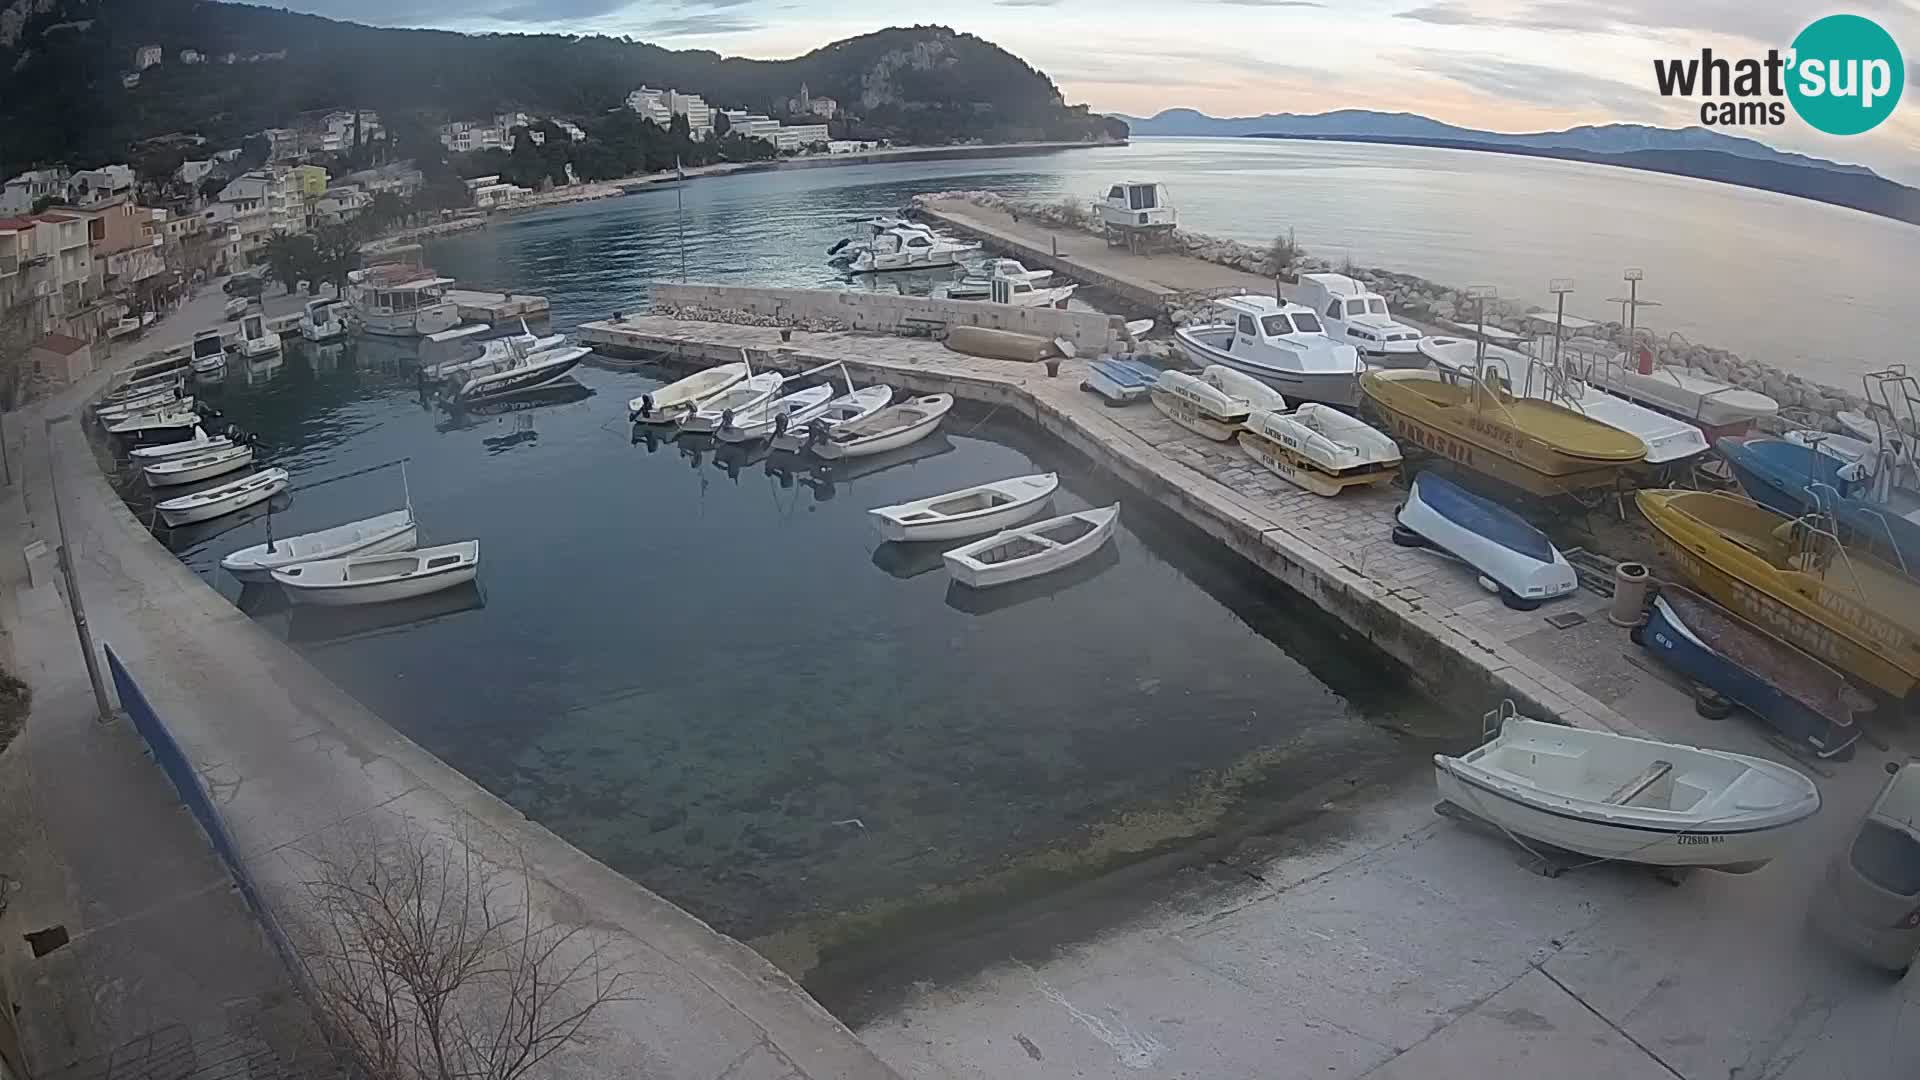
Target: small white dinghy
969	512
193	468
382	534
1320	448
1635	800
171	419
199	442
1200	407
667	404
1031	550
743	396
889	429
152	401
792	412
225	499
376	579
1237	384
842	410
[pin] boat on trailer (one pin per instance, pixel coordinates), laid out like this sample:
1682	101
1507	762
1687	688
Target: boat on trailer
378	535
889	429
376	579
969	512
1320	448
1198	406
1500	545
1715	404
1027	551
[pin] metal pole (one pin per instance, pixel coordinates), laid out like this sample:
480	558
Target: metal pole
1559	318
100	700
680	211
5	462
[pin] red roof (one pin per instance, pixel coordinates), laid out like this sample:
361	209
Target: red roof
17	223
59	218
60	343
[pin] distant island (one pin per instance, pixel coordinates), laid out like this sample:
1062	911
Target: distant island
1695	152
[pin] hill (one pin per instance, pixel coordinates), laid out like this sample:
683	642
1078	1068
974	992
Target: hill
62	62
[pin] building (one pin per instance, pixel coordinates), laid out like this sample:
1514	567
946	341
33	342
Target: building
798	136
147	56
336	130
28	188
66	359
47	269
805	104
497	195
95	187
192	172
309	180
192	56
651	104
254	207
573	130
283	144
130	79
340	205
465	137
824	107
751	125
695	108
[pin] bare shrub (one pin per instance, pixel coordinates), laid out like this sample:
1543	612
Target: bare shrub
1281	253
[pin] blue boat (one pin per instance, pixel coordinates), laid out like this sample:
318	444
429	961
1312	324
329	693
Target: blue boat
1803	699
1120	380
1792	479
1498	543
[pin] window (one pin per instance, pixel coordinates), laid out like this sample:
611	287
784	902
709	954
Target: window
1307	324
1246	326
1141	197
1377	306
1117	193
1888	857
1333	310
1355	307
919	241
1275	325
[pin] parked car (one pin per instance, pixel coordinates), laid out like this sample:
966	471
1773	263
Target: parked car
1870	902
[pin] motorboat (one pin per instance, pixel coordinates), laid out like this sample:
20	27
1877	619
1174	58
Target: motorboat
845	409
1120	380
1258	395
518	372
1500	545
978	285
381	534
1806	701
1280	344
196	443
172	380
255	339
848	248
742	397
150	423
1795	578
1320	448
1845	449
889	429
224	499
1020	292
209	352
1138	204
466	355
235	308
1792	479
969	512
193	468
1667	438
1026	551
401	301
667	404
323	320
1616	797
375	579
904	247
1198	406
1358	316
789	412
1715	404
154	401
1536	446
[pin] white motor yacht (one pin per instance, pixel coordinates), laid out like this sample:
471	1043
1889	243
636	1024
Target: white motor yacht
256	341
1281	344
909	247
209	352
324	320
1357	315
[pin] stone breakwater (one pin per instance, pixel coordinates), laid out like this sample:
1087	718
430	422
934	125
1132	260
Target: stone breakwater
1417	299
737	317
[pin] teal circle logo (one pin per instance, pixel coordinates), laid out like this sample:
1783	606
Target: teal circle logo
1846	74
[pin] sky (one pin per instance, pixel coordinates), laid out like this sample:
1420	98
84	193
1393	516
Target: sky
1505	65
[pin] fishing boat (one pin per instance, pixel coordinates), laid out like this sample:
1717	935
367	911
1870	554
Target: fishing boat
1200	407
209	352
1258	395
401	301
1023	292
150	423
1522	564
256	340
1359	316
790	412
1715	404
1792	479
969	512
1027	551
1611	796
1120	381
375	579
889	429
1536	446
908	247
1280	344
196	443
173	380
845	409
517	372
1794	578
743	396
193	468
1320	448
378	535
224	499
667	404
1803	699
323	321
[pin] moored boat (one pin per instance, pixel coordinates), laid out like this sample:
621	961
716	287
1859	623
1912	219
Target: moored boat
146	423
1120	380
154	401
1715	404
401	301
1320	448
891	428
1497	543
667	404
197	443
1027	551
517	372
193	468
374	579
846	409
1198	406
256	340
209	352
224	499
969	512
323	321
743	396
790	412
1615	797
377	535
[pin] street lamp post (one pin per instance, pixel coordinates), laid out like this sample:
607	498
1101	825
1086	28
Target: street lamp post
1559	287
1480	294
102	703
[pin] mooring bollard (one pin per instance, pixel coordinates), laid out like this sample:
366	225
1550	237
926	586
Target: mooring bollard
1053	367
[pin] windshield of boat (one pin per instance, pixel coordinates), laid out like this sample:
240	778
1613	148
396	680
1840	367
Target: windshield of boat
210	345
1306	323
1376	306
1275	325
1888	857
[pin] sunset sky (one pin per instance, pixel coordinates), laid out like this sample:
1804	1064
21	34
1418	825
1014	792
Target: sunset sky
1508	65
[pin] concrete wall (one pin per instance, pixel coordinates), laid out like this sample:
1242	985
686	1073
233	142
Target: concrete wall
1090	331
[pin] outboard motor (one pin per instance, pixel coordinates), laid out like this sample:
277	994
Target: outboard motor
646	408
726	419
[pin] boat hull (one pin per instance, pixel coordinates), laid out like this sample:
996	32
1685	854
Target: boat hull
1304	472
834	449
669	403
1195	419
1328	387
401	538
207	511
382	592
160	475
1491	539
972	574
1120	381
966	527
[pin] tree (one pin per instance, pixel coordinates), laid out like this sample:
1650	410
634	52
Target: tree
427	966
291	258
212	185
336	253
253	152
721	125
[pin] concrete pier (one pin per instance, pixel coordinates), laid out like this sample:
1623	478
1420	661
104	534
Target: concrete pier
493	307
1457	641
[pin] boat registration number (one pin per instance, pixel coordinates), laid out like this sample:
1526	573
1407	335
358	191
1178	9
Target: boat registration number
1701	838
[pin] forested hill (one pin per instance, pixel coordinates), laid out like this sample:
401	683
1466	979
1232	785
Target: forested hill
62	62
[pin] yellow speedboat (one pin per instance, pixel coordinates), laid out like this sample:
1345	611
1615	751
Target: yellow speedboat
1795	580
1534	445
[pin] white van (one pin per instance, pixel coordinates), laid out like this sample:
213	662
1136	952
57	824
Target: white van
1358	316
1871	902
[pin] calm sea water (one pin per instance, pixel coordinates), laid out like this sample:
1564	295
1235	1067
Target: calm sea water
1815	289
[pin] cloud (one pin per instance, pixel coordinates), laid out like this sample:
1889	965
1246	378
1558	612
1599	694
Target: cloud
1446	13
1274	3
1025	3
698	25
545	11
1770	24
1536	84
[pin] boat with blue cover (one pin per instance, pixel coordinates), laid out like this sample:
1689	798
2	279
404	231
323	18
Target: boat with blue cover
1793	479
1515	557
1120	380
1803	699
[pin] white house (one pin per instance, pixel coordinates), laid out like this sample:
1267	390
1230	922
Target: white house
572	129
495	196
661	106
340	204
799	136
147	56
651	104
91	187
24	190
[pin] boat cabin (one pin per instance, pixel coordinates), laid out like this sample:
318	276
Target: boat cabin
208	344
253	328
403	298
1137	204
1263	326
907	238
1357	315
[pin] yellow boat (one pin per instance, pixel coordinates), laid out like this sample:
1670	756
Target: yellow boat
1533	445
1793	578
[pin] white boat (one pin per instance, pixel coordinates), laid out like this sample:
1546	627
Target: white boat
1320	448
1282	345
154	401
1120	380
1690	395
1258	395
515	372
743	396
193	468
1611	796
324	320
791	412
1199	406
1020	292
1867	429
209	352
401	301
845	409
969	512
889	429
255	339
379	535
171	419
375	579
1137	204
165	380
1027	551
666	404
224	499
909	248
1357	315
198	442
